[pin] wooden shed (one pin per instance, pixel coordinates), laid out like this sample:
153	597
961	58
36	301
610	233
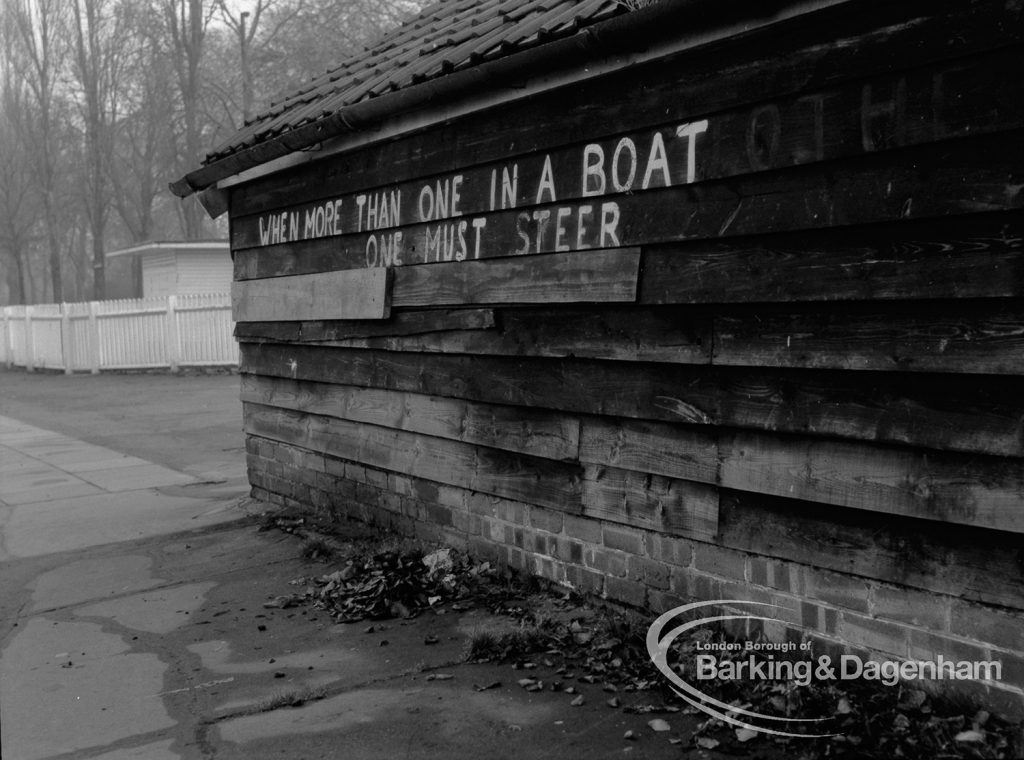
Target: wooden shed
180	267
706	300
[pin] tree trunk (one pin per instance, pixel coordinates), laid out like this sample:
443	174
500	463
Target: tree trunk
16	277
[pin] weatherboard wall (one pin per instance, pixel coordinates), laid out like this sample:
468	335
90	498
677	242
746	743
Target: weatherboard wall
741	324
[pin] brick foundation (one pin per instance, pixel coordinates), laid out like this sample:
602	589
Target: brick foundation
839	613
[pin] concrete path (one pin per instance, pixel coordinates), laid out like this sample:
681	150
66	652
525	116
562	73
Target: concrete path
133	625
71	677
61	494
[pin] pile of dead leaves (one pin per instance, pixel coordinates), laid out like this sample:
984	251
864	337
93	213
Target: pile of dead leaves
864	720
390	584
872	723
573	645
602	647
867	721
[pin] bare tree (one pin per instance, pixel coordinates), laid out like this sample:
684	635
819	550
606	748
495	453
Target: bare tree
38	29
252	32
99	58
320	35
18	191
143	155
107	100
187	22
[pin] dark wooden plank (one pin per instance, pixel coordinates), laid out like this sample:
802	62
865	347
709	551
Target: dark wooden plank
971	563
624	334
511	476
526	431
683	452
984	492
652	502
984	337
748	70
595	277
293	258
399	323
976	257
958	413
354	294
948	179
862	117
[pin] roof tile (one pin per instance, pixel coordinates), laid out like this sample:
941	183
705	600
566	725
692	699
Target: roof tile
451	35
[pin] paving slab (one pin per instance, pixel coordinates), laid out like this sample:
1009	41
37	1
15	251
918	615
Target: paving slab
158	611
92	579
55	497
155	751
133	622
13	461
49	489
204	667
88	465
89	689
35	480
76	523
135	477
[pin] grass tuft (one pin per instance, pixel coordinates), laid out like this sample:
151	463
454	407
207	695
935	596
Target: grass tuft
317	548
291	698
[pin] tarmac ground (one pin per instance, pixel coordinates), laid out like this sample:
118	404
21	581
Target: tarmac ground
133	580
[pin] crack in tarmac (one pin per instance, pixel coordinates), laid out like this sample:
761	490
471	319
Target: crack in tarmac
213	720
136	592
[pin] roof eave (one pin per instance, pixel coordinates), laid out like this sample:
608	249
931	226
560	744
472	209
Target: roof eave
622	34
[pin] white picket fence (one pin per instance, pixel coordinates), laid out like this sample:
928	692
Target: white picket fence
135	333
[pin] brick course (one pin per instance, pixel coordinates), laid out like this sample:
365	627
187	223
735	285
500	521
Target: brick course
641	568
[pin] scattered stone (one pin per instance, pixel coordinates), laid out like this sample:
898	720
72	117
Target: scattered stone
279	674
578	701
440	562
284	602
630	736
613	702
745	734
659	725
970	736
911	699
